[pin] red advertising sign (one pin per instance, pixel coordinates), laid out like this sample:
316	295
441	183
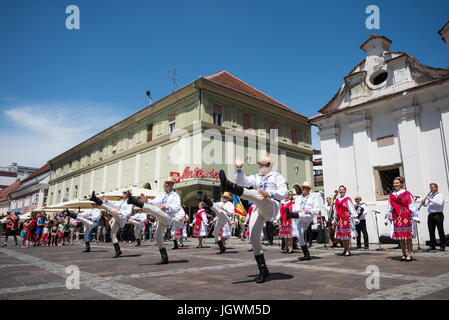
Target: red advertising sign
196	173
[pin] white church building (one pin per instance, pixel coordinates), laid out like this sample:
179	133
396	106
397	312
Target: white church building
389	118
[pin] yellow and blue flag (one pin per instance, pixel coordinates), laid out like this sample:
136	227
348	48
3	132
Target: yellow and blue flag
239	209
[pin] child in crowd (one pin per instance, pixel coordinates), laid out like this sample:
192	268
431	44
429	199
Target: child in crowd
25	234
45	239
61	229
67	228
40	226
54	233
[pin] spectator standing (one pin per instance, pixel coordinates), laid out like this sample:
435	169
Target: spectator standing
11	227
101	230
435	206
39	227
25	234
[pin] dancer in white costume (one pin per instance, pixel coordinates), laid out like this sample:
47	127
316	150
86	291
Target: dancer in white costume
175	233
138	221
303	210
166	207
89	219
224	210
269	189
120	211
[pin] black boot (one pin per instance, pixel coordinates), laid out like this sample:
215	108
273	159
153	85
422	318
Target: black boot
87	247
164	256
221	246
207	201
135	201
71	214
117	250
289	215
263	270
230	186
175	242
94	198
306	254
138	242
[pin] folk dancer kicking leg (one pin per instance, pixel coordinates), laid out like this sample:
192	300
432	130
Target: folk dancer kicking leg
269	189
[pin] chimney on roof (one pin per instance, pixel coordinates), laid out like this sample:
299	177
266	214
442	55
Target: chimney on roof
375	47
149	96
444	33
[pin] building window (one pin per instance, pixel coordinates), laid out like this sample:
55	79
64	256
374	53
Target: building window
218	114
149	132
171	122
75	192
385	141
246	121
294	137
384	180
35	199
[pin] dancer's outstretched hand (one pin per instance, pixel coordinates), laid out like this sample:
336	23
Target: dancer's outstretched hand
238	163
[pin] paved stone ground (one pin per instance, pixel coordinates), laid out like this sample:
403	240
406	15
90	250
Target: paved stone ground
199	274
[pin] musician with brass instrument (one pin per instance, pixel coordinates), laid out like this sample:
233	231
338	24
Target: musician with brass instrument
435	206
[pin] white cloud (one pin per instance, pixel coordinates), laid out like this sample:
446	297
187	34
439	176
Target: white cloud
34	134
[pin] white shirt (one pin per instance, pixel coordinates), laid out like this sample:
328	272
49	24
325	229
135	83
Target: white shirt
412	207
363	206
142	216
436	203
274	183
328	209
124	209
93	214
171	201
306	203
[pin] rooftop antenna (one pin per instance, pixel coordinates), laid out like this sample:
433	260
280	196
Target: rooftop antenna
149	95
172	76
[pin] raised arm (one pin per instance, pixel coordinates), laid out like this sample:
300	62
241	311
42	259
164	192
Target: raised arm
245	181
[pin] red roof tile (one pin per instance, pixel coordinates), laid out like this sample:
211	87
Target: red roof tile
4	193
226	79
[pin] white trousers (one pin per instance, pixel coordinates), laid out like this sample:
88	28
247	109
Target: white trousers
264	211
116	224
303	222
88	225
137	227
163	221
222	219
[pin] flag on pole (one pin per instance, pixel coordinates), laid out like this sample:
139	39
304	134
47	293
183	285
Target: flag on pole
239	209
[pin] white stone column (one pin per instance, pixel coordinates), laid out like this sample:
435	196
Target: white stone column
105	174
80	191
329	154
362	159
283	163
409	148
119	174
443	106
137	170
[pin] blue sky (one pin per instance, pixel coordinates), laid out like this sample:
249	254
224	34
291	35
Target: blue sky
59	86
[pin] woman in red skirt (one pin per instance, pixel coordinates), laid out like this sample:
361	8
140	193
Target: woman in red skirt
345	220
401	212
285	230
200	224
